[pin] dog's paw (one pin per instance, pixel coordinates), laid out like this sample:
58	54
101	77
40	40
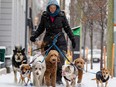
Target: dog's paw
79	85
25	84
31	84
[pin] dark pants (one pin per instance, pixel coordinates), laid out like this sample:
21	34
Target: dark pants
59	67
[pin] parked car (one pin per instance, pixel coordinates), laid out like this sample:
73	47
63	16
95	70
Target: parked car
96	55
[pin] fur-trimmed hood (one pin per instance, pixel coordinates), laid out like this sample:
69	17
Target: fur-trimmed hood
53	2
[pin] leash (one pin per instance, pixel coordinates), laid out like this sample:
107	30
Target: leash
85	70
47	51
54	42
90	72
61	52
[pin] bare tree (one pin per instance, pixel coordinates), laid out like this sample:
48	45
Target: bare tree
74	14
94	12
101	18
62	4
88	18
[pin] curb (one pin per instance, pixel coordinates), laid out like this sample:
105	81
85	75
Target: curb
3	71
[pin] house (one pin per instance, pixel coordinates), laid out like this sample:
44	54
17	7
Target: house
12	24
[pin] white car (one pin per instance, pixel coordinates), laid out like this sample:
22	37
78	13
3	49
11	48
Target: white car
96	55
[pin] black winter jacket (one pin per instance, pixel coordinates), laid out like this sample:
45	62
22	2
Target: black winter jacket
53	28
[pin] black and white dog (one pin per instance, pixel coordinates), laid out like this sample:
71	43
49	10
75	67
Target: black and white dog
18	58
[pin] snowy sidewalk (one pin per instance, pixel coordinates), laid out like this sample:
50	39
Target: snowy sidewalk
8	79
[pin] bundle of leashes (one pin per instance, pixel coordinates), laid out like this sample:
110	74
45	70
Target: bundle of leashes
57	48
60	51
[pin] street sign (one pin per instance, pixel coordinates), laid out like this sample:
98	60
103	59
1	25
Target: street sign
76	51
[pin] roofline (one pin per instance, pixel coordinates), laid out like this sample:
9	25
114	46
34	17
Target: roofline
75	27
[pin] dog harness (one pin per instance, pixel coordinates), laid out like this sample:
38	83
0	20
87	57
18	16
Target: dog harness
25	74
99	76
74	77
74	74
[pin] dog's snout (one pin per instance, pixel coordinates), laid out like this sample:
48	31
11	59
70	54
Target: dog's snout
18	58
37	73
104	75
79	66
23	72
54	60
28	71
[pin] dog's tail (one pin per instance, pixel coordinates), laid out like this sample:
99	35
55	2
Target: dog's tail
93	79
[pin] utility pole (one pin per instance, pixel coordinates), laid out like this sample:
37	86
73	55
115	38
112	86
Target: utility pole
115	36
26	13
110	32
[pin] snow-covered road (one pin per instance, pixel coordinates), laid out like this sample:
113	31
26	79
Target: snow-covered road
7	80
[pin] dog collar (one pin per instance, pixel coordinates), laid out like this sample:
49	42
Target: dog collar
66	78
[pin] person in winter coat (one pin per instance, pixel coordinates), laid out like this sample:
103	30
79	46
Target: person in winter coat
54	21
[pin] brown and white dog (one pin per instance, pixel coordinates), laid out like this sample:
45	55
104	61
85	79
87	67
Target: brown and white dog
39	68
69	73
25	72
102	77
51	68
79	63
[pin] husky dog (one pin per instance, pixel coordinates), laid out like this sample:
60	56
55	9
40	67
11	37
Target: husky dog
18	58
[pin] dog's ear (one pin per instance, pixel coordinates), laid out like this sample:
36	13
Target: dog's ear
74	62
48	57
110	71
15	47
23	50
14	51
43	66
103	69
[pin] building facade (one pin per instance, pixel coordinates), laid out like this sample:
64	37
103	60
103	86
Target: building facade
12	24
13	29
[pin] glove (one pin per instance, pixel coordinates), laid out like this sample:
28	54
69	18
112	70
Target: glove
73	43
33	38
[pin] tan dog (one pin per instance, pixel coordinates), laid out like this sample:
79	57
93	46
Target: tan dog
79	63
102	77
25	73
51	68
69	72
